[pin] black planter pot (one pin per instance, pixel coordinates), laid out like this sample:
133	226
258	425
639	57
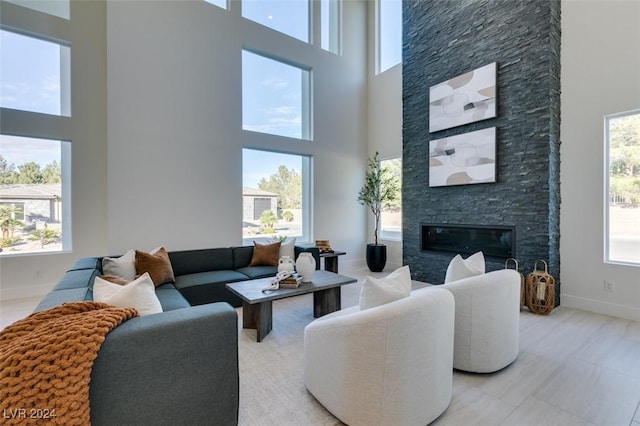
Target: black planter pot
376	257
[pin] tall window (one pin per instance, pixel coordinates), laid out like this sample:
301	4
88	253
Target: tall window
276	191
330	17
35	169
290	17
34	195
388	34
275	97
34	74
623	188
391	217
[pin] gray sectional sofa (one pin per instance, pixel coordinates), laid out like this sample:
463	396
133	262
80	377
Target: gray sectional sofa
178	367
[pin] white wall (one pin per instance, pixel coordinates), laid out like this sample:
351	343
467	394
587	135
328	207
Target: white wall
600	76
384	117
29	275
175	125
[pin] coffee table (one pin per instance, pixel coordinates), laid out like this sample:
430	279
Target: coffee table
257	312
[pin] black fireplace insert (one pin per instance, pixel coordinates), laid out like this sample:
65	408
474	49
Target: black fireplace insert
494	241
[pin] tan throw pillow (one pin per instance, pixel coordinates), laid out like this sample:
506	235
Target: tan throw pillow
265	254
115	280
157	264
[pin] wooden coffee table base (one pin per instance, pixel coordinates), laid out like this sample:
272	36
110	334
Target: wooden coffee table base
259	316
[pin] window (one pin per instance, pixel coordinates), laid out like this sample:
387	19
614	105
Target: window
388	34
34	195
275	97
219	3
622	239
276	190
391	217
59	8
289	17
330	25
34	74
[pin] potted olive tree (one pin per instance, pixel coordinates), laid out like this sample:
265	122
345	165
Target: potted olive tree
380	189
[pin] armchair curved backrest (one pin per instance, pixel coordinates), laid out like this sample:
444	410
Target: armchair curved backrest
386	365
487	321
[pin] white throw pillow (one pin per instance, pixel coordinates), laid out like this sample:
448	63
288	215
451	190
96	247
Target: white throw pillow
139	294
287	248
378	291
460	268
123	266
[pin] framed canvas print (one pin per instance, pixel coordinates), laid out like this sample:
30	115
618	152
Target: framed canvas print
463	159
464	99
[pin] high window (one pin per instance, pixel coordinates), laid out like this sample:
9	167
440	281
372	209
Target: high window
330	16
290	17
388	34
275	97
622	195
391	217
276	191
34	74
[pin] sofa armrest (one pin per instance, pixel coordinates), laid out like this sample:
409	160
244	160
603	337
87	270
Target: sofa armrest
175	367
315	252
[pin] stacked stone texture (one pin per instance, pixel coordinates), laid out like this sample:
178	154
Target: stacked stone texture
443	39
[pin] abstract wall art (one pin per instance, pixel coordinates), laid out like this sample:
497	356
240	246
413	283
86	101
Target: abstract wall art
463	159
464	99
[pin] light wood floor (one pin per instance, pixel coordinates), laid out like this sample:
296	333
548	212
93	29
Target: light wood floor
574	368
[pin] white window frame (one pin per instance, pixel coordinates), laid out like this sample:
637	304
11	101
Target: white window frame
378	40
607	189
307	199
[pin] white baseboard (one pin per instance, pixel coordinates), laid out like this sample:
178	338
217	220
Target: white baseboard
600	307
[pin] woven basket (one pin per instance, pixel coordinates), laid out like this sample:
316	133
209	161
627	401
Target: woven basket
540	291
522	290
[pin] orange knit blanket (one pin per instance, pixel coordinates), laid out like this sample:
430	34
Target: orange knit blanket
46	361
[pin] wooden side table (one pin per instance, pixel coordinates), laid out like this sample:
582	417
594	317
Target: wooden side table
331	260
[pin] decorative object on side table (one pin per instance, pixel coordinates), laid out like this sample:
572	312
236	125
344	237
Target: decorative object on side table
540	292
522	289
380	189
305	266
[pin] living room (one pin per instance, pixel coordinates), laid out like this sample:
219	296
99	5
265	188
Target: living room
157	132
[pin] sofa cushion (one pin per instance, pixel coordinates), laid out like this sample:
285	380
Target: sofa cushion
194	261
86	263
123	266
80	278
157	264
56	298
241	256
139	293
211	277
265	254
254	272
170	298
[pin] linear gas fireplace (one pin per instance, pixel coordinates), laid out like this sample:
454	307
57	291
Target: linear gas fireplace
493	241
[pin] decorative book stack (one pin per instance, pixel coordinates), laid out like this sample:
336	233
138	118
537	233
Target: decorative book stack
292	281
323	246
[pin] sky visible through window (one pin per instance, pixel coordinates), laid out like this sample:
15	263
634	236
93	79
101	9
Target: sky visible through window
290	17
271	96
30	71
390	36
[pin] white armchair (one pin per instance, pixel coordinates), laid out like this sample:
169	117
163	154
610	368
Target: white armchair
487	327
386	365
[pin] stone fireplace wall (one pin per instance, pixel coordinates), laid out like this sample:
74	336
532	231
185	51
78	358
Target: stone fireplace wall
443	39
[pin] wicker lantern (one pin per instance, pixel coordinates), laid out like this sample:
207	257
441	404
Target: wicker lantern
540	291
